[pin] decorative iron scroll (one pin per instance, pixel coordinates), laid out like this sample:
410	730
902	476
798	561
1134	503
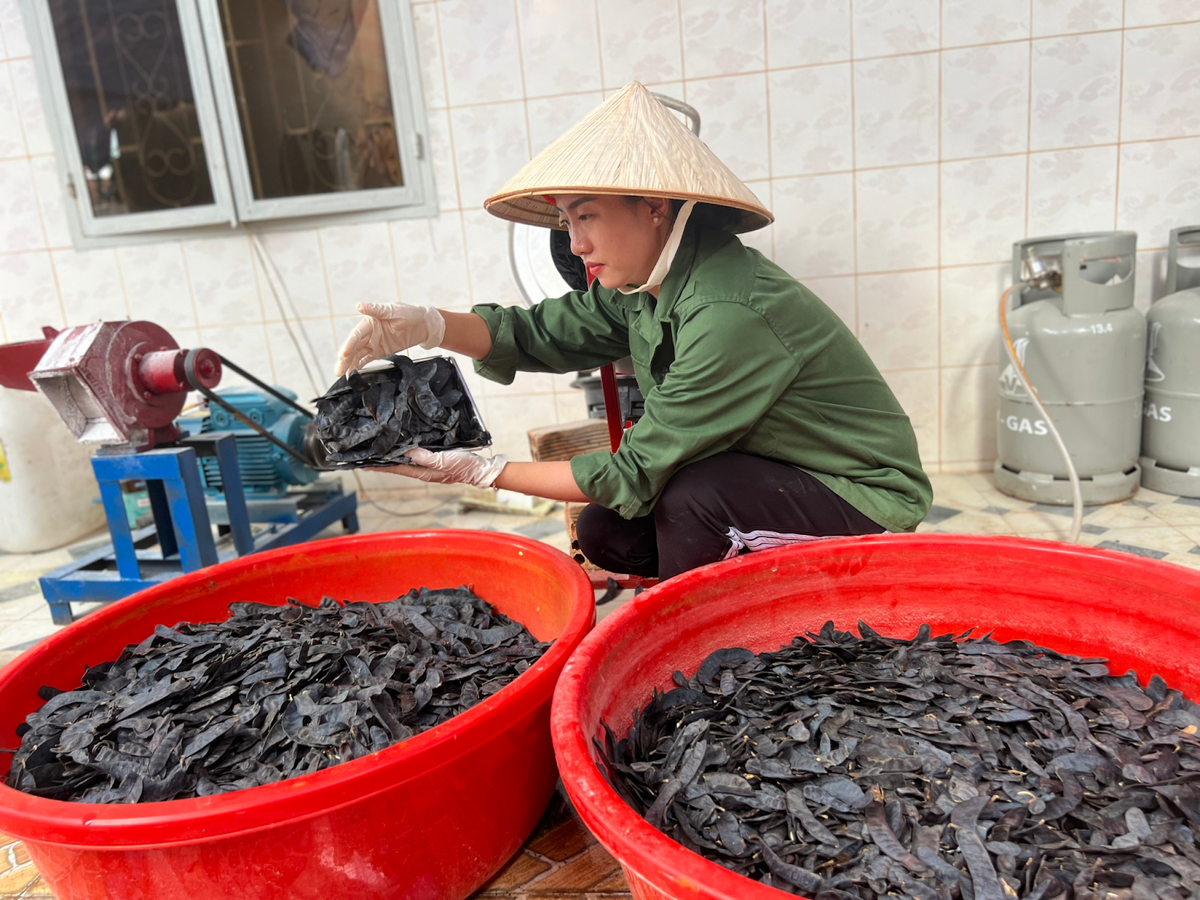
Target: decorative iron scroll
132	104
168	156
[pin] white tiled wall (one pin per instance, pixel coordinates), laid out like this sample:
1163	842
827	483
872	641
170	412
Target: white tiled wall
903	145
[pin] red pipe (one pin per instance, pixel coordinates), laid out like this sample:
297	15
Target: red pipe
612	400
612	405
18	360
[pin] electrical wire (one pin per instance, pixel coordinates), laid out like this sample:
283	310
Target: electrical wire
270	270
1076	492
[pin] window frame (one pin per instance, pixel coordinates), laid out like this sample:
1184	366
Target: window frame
234	205
397	31
52	84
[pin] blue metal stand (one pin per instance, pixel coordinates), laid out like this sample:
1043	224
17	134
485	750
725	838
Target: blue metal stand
182	527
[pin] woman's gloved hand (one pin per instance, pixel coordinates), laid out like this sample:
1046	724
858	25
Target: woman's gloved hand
453	467
388	328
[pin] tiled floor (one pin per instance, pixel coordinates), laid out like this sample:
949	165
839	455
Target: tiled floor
1157	526
25	617
562	860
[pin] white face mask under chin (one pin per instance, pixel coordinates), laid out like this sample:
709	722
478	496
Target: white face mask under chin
659	273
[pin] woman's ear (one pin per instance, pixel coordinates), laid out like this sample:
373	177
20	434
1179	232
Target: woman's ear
660	208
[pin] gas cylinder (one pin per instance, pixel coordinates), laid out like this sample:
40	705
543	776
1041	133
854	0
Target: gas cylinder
1082	345
1171	411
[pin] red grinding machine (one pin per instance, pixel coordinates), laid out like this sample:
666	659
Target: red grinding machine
251	467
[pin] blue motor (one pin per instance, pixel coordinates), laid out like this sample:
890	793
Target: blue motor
267	470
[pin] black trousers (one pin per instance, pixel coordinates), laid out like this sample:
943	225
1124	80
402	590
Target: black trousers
714	509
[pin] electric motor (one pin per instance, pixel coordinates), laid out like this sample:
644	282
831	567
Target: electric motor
266	470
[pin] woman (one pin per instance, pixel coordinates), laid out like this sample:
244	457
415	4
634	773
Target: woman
765	422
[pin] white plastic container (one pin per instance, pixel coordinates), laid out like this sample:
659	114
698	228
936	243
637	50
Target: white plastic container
48	494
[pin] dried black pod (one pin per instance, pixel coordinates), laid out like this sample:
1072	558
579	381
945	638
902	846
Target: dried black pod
374	417
869	767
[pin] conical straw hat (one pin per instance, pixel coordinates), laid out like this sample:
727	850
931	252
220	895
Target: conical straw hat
630	145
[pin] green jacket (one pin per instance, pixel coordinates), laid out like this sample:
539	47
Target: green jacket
734	355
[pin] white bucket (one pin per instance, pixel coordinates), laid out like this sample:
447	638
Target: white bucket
48	494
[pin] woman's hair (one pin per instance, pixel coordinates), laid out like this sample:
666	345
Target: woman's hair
569	266
710	215
572	269
705	215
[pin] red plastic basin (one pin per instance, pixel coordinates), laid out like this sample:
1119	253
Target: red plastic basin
432	817
1139	613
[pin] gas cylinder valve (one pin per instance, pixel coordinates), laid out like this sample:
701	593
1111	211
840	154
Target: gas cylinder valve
1040	272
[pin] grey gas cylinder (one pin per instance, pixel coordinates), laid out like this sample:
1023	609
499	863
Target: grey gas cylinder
1171	411
1082	345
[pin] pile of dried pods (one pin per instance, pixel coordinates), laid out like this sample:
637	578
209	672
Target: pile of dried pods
841	767
270	693
374	418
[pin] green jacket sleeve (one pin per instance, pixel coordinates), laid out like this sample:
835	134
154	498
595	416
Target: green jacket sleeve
580	330
729	369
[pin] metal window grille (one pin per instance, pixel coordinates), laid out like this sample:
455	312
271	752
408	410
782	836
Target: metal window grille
180	117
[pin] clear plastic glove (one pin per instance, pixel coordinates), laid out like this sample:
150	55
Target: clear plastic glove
388	328
453	467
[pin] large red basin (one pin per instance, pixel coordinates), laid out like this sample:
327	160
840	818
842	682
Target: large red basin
432	817
1138	613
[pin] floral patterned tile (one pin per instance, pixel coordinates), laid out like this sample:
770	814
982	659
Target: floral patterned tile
1178	511
1151	543
957	492
972	504
968	522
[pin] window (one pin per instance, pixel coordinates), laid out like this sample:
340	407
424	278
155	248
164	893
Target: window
176	116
